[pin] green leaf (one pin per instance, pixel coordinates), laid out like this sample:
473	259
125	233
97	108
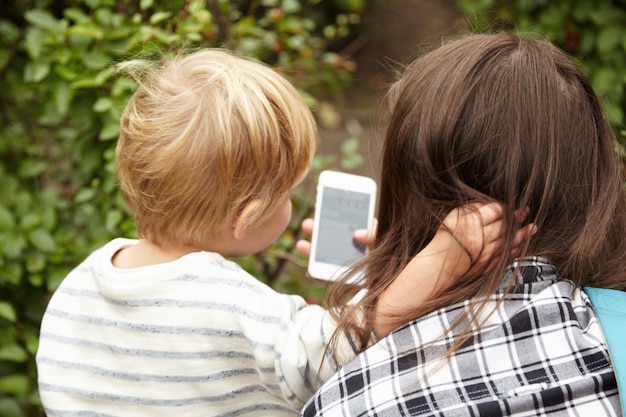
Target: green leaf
321	162
113	219
35	262
146	4
587	40
35	278
350	146
7	221
98	80
103	76
15	384
159	17
135	40
602	16
604	80
4	57
51	115
62	97
104	17
164	36
29	221
9	32
34	42
13	353
610	38
64	56
34	72
9	407
352	162
7	311
83	195
11	272
291	6
31	338
96	60
42	240
66	72
614	113
102	104
93	4
50	196
43	19
87	30
48	217
12	247
90	163
110	131
23	202
55	277
31	335
31	168
76	15
123	86
85	82
120	33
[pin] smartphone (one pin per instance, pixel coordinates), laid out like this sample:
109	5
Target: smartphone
344	203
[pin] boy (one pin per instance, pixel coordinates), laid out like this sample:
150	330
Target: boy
210	149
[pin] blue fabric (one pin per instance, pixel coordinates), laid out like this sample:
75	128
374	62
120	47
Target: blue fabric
610	307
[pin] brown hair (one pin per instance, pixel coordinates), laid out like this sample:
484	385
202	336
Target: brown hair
495	117
204	135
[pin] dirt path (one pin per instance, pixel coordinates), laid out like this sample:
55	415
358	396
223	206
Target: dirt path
395	29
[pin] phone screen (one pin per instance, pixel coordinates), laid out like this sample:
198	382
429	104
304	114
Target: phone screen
342	212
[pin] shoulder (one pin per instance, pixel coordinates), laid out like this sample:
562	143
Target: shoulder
541	341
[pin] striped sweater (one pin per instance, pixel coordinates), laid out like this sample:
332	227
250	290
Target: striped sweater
194	337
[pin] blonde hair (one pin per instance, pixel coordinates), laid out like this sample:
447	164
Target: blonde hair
204	135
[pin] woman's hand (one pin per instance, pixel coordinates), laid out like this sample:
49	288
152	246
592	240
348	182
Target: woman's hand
471	238
466	244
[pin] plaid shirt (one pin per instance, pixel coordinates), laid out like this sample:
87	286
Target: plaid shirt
541	353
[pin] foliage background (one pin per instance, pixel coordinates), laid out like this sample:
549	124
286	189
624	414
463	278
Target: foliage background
61	102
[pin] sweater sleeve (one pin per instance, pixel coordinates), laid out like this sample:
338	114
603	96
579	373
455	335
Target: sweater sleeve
303	361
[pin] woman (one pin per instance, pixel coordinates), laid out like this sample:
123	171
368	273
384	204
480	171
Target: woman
491	118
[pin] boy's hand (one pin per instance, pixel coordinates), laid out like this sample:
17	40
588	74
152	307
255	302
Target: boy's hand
364	236
304	246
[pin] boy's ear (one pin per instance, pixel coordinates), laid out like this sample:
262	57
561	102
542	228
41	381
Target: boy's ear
241	221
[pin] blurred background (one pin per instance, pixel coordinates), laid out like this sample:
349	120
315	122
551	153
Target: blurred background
61	101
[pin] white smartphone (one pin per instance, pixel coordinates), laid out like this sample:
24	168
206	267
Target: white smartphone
344	203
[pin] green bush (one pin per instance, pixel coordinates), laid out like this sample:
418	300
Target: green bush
61	103
593	32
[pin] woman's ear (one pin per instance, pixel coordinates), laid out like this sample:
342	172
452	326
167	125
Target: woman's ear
241	221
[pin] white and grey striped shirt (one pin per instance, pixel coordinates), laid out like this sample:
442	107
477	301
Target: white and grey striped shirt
196	336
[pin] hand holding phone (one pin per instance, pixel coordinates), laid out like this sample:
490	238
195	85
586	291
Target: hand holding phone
344	203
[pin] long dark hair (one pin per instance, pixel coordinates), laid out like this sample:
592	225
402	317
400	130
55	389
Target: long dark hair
495	117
